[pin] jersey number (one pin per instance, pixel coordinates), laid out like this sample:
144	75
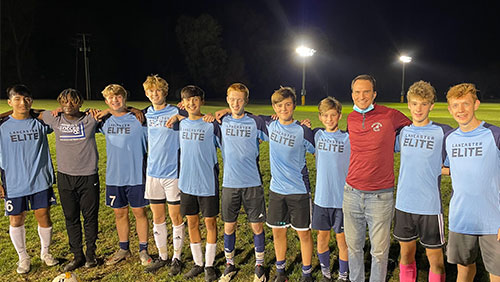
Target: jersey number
113	198
8	206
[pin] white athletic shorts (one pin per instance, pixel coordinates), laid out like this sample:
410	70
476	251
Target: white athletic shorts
163	189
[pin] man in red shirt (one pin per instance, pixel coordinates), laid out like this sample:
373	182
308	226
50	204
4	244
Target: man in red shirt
368	193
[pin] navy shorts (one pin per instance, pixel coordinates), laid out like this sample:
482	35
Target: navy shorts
40	200
121	196
327	219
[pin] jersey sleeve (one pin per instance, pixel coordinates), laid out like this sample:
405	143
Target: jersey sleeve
217	134
183	113
308	139
261	127
446	160
266	122
397	143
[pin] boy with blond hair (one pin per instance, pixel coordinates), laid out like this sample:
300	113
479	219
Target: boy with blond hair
27	175
163	173
418	212
473	156
126	144
289	195
332	160
242	184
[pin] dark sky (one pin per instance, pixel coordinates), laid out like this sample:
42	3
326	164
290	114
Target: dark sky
449	42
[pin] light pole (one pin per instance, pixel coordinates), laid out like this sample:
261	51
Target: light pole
404	59
304	52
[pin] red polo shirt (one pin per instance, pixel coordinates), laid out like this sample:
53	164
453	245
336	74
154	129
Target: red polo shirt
372	136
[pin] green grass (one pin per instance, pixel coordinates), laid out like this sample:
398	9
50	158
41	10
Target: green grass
131	270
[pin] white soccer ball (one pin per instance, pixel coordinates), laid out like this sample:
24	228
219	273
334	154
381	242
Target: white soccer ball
66	277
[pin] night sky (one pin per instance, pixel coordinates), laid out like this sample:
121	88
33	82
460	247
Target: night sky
253	42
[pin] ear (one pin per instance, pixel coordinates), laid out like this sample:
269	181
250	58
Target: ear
9	102
374	95
432	107
476	105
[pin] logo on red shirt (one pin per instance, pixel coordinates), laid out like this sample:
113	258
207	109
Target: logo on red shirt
376	126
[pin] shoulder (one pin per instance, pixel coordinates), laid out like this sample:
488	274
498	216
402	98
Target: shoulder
4	120
450	133
443	126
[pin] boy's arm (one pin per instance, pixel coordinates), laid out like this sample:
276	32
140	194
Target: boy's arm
139	115
173	120
220	113
2	192
309	139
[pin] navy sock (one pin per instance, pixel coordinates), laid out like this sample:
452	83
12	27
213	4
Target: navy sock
306	270
124	245
280	266
143	246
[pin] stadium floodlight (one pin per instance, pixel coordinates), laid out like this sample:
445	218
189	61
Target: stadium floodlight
405	60
304	52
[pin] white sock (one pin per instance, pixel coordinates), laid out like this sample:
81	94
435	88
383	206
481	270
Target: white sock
178	240
45	234
160	235
18	238
210	254
197	254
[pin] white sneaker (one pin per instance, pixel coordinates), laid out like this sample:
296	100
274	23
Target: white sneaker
145	258
23	266
49	259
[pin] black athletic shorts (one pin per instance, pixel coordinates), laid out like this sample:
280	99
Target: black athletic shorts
252	199
410	226
192	205
289	210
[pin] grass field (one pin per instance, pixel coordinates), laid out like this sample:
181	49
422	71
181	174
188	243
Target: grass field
131	270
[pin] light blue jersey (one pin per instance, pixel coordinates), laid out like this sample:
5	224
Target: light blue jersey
288	145
332	161
474	161
199	171
163	143
25	156
125	150
240	150
419	179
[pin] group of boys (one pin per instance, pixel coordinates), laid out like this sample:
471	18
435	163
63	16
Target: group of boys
353	183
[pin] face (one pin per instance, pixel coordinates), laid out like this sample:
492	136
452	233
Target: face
20	104
115	102
363	94
462	109
330	119
193	105
156	96
70	107
419	109
236	101
284	109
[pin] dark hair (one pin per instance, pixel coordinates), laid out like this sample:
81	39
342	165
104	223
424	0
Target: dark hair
70	94
19	89
192	91
365	77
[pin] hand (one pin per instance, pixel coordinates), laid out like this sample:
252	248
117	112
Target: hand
2	193
139	115
102	114
445	170
220	113
93	113
173	120
498	235
306	122
208	118
180	105
274	117
56	112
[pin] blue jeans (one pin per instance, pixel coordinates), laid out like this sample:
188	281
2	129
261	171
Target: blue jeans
375	210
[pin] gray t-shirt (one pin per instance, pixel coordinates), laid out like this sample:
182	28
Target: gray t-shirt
76	150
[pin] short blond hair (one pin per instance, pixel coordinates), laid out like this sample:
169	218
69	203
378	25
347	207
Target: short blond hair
329	103
154	81
282	93
239	87
422	90
460	90
114	89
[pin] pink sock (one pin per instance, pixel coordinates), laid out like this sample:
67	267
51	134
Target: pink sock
433	277
408	272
